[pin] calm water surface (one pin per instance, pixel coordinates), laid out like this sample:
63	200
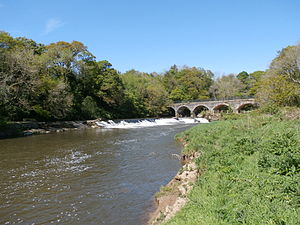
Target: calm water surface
90	176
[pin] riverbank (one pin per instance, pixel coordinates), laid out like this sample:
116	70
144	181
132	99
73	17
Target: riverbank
27	128
250	173
173	196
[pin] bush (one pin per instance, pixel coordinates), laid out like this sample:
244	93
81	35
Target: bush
270	108
90	108
40	114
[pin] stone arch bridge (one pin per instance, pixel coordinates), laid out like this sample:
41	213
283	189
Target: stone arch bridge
192	109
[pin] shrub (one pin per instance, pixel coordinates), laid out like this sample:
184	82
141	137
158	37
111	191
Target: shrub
40	113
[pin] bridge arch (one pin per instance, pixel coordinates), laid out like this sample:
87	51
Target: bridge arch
184	111
222	107
200	108
247	106
171	112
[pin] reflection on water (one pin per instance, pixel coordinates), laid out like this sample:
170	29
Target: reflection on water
92	176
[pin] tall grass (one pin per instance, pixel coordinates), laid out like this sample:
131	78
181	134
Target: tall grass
250	172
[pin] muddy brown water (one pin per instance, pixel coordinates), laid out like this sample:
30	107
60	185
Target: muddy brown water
88	176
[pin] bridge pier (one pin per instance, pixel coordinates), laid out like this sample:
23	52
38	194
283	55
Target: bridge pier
235	110
193	114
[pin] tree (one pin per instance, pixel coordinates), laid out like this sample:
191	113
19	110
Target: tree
65	60
287	63
245	79
280	85
169	79
52	99
255	81
101	84
227	87
34	77
146	94
18	75
187	83
109	84
278	91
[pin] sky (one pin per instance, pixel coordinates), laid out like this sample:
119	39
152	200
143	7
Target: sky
224	36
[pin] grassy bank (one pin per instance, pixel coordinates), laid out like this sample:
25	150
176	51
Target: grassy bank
249	172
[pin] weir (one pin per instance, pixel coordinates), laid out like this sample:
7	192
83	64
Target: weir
142	123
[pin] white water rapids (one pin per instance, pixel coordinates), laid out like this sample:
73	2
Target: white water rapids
125	124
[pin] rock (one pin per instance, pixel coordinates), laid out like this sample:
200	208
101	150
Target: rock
171	201
27	133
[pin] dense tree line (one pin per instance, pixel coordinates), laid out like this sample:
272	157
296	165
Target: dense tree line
57	81
64	81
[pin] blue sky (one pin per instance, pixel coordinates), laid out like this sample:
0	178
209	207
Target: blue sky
225	36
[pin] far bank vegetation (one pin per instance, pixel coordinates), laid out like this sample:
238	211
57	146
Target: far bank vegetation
64	81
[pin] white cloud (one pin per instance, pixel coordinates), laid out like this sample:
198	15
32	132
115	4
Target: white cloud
53	24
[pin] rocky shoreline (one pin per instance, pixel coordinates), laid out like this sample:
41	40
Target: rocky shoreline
173	196
19	129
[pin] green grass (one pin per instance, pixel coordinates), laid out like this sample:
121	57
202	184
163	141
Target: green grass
163	191
250	172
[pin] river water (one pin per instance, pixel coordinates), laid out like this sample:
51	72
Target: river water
87	176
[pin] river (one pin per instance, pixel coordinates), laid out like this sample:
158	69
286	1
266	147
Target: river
87	176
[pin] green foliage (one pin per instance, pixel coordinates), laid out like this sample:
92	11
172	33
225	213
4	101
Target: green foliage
3	120
109	84
281	154
227	87
163	191
90	108
255	78
187	83
249	172
63	81
146	94
40	113
280	85
249	81
243	77
278	90
28	88
231	116
272	109
287	64
243	84
57	81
